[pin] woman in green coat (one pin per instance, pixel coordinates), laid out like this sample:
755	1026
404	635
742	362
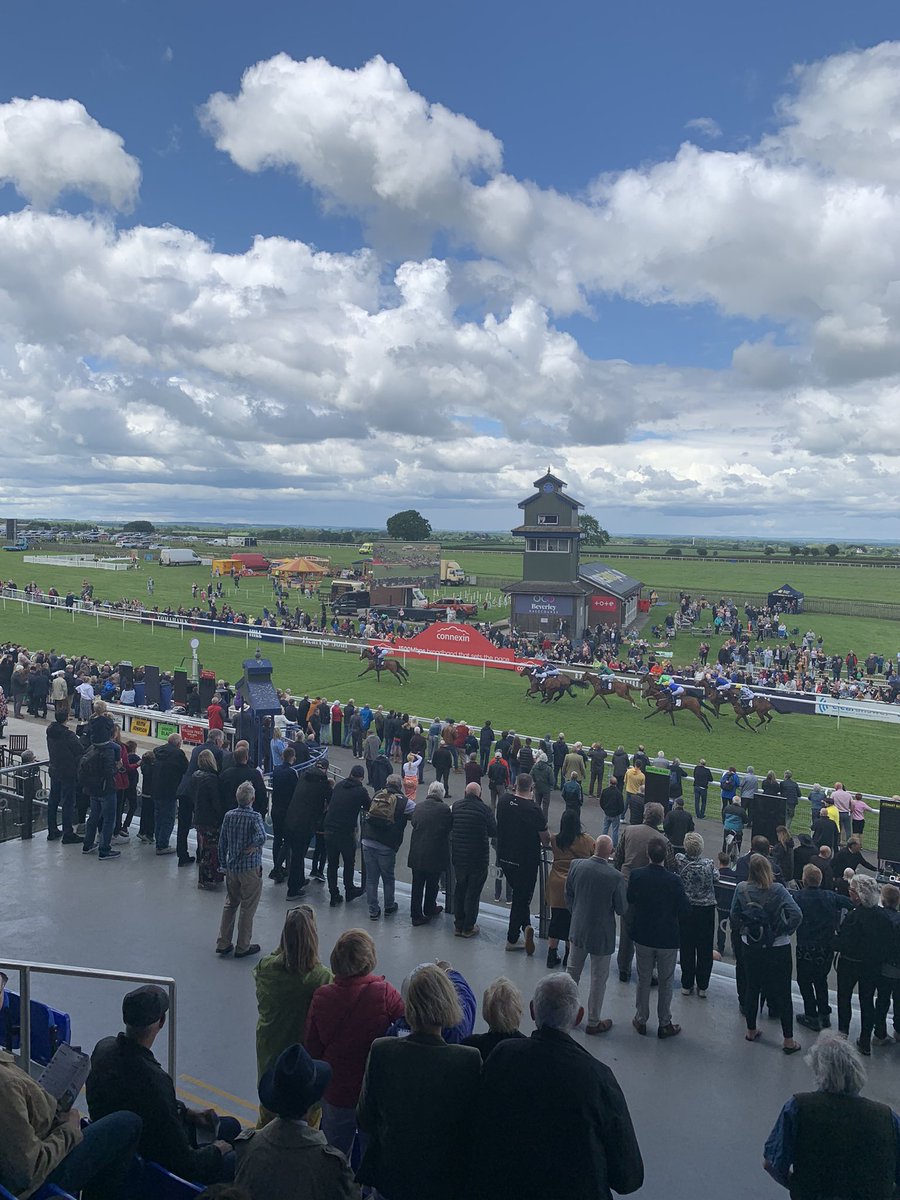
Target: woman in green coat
285	982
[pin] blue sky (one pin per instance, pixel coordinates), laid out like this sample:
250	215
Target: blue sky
636	331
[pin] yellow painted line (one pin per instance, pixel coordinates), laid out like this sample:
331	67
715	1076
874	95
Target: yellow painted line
201	1103
208	1087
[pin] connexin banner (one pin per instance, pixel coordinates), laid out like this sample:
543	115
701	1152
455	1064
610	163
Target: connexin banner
861	710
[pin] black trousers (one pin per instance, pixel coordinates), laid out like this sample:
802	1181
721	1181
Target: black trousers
522	880
185	819
340	847
148	816
596	780
443	777
852	973
813	965
888	991
280	848
697	934
299	844
423	894
769	974
466	897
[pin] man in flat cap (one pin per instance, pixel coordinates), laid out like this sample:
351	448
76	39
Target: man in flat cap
125	1076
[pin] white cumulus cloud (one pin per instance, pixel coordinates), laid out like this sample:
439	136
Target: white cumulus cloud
50	147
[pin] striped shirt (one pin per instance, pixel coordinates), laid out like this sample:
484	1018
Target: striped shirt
242	828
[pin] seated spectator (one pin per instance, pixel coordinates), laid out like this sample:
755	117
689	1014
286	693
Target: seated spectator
464	994
125	1077
285	983
39	1144
549	1082
344	1019
832	1142
288	1160
502	1007
419	1085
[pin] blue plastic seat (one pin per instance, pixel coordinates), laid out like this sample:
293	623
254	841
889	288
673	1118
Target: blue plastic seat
49	1190
49	1027
159	1184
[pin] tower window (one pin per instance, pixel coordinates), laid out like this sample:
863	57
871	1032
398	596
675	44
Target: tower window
547	519
547	545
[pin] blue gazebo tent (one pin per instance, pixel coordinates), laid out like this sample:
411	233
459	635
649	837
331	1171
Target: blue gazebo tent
788	594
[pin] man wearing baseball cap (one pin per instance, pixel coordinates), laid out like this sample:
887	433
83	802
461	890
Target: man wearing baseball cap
287	1159
125	1076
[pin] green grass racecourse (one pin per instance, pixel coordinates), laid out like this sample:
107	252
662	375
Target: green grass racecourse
817	749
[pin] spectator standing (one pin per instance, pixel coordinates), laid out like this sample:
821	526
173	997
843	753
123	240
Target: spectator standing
349	799
429	853
382	836
208	813
791	793
549	1081
858	810
241	840
169	767
560	750
542	781
472	825
569	844
657	901
864	943
821	909
485	741
284	782
635	784
843	802
631	853
303	822
889	985
697	930
702	779
612	805
286	981
595	895
442	761
345	1017
677	824
521	831
64	750
97	769
597	759
620	763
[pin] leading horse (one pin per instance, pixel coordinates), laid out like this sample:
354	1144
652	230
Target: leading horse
392	665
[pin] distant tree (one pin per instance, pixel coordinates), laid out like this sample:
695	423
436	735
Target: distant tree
592	533
769	550
832	550
139	527
702	552
795	551
674	552
408	526
812	551
715	554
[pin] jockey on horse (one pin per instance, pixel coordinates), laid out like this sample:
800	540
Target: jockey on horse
547	671
722	684
675	690
745	698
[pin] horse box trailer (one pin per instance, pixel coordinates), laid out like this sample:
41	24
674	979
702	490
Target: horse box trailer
178	558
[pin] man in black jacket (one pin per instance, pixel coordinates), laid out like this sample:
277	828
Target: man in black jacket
349	798
64	750
284	782
169	766
485	741
656	900
825	832
560	750
243	772
125	1077
303	821
442	761
429	853
549	1081
472	826
521	831
597	759
702	779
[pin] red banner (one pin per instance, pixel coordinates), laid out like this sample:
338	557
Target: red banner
604	604
194	735
456	643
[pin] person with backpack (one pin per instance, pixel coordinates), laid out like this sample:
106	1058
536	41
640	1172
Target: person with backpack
382	836
573	793
764	915
96	774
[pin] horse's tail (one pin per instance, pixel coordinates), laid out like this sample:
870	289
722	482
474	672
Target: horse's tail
581	682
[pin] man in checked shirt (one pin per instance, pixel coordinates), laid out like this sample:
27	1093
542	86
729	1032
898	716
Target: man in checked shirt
241	840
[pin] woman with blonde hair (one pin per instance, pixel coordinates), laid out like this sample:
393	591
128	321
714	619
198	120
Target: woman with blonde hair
698	929
764	915
285	983
209	809
502	1007
415	1084
345	1017
411	775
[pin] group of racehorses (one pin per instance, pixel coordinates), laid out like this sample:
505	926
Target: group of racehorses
700	700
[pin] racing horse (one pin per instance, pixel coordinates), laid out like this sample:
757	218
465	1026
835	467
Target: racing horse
553	688
393	665
761	705
665	702
608	683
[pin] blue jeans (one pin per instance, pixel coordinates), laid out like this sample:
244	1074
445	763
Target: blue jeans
379	862
102	814
102	1159
166	808
611	826
700	800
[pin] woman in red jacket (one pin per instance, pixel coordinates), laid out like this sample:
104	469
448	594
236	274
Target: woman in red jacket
344	1019
120	781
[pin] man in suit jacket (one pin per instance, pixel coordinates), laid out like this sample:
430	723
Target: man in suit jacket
656	900
595	893
549	1082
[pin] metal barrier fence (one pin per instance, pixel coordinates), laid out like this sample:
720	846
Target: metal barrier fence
24	789
26	969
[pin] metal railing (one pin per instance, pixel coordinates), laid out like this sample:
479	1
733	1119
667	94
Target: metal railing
26	786
27	969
